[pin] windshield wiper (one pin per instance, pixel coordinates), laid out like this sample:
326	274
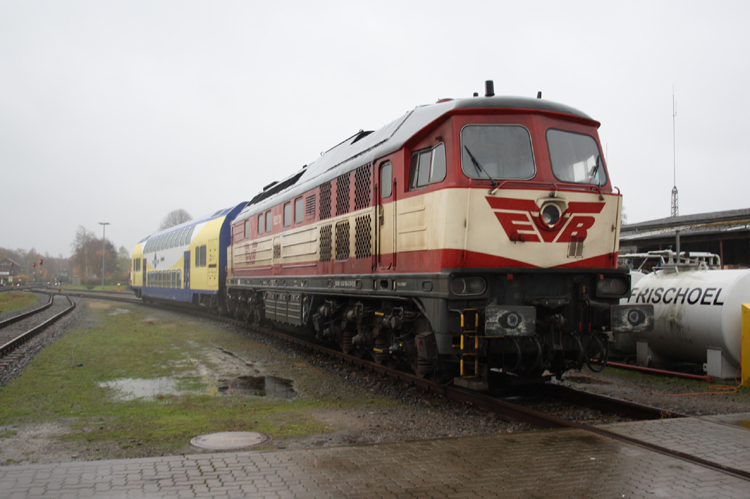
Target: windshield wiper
479	168
595	168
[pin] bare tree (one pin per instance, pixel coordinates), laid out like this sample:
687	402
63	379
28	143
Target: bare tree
175	217
87	255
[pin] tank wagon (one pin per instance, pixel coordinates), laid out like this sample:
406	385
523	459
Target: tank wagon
467	238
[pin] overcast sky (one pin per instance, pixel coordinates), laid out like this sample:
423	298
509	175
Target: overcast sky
122	111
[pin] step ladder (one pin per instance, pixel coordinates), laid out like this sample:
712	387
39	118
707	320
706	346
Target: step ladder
472	374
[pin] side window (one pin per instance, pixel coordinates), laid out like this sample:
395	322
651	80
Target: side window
260	224
288	215
386	180
427	167
299	210
269	222
247	228
203	255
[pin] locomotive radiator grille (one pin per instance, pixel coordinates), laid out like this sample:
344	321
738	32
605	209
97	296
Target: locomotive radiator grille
342	240
363	236
342	194
362	187
325	201
325	243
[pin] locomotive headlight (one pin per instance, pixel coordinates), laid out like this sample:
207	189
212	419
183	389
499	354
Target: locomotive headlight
550	214
612	286
468	286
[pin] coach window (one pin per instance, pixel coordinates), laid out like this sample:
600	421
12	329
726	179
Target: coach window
299	210
427	167
269	222
247	228
386	180
288	215
260	224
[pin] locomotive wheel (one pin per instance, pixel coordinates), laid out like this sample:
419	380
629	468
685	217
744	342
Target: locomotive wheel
422	367
381	355
346	341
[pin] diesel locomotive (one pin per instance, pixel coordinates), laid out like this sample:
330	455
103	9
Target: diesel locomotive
472	240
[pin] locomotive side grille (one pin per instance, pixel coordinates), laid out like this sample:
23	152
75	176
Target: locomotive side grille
325	201
363	236
575	247
342	194
325	243
362	187
310	207
342	240
277	251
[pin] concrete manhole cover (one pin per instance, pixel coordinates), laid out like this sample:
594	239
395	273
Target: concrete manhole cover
229	440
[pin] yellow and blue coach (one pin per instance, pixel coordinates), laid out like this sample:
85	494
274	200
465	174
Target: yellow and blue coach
186	263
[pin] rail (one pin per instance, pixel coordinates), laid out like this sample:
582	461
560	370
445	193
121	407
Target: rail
31	333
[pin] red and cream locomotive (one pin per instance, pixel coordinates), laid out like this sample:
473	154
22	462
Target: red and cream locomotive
468	238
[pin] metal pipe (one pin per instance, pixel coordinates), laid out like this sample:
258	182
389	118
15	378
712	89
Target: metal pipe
661	372
104	226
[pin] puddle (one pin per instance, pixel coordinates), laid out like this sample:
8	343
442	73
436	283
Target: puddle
743	423
131	389
119	311
260	386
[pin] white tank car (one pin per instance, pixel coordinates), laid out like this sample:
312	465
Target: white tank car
623	342
698	318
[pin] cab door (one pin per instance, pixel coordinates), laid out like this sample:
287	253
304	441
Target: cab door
386	216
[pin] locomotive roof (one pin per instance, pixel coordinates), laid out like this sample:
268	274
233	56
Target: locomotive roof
364	147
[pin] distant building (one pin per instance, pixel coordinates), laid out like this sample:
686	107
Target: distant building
9	270
725	233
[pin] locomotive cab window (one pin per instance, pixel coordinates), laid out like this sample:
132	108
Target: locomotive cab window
269	222
575	157
288	215
247	228
386	180
299	210
497	151
427	167
260	224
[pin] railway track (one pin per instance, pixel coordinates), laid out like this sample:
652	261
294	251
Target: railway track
549	406
19	330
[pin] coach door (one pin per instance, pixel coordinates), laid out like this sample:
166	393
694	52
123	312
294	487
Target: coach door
213	263
144	283
386	217
187	269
